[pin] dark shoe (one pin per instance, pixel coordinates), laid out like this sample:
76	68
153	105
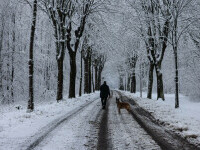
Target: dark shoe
104	107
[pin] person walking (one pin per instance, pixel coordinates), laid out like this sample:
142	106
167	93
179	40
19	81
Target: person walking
104	93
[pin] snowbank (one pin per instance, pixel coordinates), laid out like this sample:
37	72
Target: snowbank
16	125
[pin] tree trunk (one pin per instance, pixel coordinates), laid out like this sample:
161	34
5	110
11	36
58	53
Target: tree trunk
96	78
12	80
99	78
31	59
175	49
125	85
81	78
141	76
13	52
140	86
7	97
160	90
128	83
48	76
86	76
150	83
93	88
60	80
1	61
133	82
176	78
89	74
72	85
121	84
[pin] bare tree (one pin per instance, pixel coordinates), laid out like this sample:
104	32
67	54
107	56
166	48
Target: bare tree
59	12
132	60
156	44
31	59
178	9
86	7
81	76
1	48
99	61
87	54
13	53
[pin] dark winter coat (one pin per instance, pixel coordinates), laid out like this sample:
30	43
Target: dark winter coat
104	91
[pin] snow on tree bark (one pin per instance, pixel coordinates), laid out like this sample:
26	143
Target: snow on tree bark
31	59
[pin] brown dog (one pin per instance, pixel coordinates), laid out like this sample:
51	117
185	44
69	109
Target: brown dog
122	105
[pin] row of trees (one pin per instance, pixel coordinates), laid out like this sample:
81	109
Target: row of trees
69	19
161	25
93	66
154	41
68	24
9	42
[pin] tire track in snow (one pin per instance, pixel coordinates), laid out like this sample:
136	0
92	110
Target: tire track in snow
104	141
75	133
138	134
94	122
127	133
80	132
120	138
44	132
165	138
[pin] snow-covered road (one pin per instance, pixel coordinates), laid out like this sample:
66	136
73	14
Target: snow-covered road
57	132
94	128
164	137
88	126
74	133
125	132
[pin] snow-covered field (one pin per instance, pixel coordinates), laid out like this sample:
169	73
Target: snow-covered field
184	120
16	125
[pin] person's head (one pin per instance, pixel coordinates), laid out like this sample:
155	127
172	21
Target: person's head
104	82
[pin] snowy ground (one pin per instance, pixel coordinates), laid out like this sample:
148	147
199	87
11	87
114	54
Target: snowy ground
73	134
82	131
78	124
126	133
16	126
185	120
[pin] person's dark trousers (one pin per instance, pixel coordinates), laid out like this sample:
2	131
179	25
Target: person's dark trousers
103	101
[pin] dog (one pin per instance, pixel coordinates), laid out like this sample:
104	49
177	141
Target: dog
122	105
